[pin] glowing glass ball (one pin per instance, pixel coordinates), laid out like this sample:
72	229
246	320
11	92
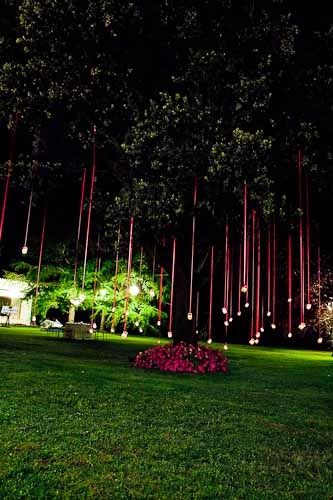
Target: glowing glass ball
257	335
225	347
256	341
91	330
34	318
140	330
189	316
94	326
301	326
239	313
127	313
24	250
169	335
103	292
262	329
137	323
268	313
112	330
152	293
290	299
224	310
273	326
209	341
251	341
230	320
124	334
113	309
247	304
226	323
290	335
308	306
134	290
244	288
158	322
320	340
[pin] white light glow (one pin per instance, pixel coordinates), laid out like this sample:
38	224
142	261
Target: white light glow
230	320
24	250
256	341
301	326
244	288
189	316
290	335
103	292
134	290
290	299
308	306
247	304
169	335
225	347
239	313
268	313
262	329
273	326
258	335
209	341
113	309
124	334
152	293
224	310
251	341
320	340
137	323
226	323
158	322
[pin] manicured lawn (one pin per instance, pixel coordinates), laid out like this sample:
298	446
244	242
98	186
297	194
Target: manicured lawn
78	421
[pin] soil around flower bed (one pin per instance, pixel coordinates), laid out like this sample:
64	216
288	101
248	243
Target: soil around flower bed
182	358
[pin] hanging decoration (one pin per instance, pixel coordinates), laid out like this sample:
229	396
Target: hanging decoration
209	340
128	282
39	268
160	298
141	259
197	313
320	338
262	328
258	283
302	324
247	303
226	268
308	263
290	273
89	208
239	312
273	324
245	256
25	247
79	228
9	172
189	314
230	280
115	284
172	286
252	340
93	325
269	245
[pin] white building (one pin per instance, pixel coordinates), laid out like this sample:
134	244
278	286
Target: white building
12	294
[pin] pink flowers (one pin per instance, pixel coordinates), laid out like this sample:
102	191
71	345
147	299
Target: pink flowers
184	357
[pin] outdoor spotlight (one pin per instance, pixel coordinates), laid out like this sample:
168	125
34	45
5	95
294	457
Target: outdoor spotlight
224	310
320	340
124	334
273	326
251	341
170	335
230	320
268	313
137	323
24	250
239	313
301	326
158	322
189	316
226	323
152	293
308	306
290	335
257	335
247	304
225	347
209	341
134	290
244	288
290	299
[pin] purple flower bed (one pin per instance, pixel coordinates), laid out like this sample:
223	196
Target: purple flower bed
184	358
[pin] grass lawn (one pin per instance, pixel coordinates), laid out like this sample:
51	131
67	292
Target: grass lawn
78	421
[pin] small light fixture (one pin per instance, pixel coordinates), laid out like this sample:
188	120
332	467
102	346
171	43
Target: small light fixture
113	309
170	335
239	313
137	323
256	341
152	293
24	250
112	330
308	306
224	310
94	325
301	326
268	313
320	340
273	326
158	322
189	316
230	320
290	335
244	288
103	292
140	330
124	334
247	304
209	341
290	299
134	290
226	323
34	319
225	347
262	329
82	297
258	335
251	341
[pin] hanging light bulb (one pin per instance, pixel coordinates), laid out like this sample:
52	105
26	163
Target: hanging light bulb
24	250
170	335
247	304
134	290
91	330
189	316
290	299
103	292
158	322
290	335
152	293
308	306
262	329
158	341
33	319
124	334
209	341
226	323
268	313
113	309
224	310
256	341
239	313
94	326
127	313
230	320
273	326
258	335
320	340
197	332
225	347
251	341
137	323
301	326
112	330
140	330
244	288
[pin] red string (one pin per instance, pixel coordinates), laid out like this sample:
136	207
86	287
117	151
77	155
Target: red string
301	244
289	285
230	283
308	241
211	293
258	281
160	299
253	272
79	226
269	270
9	171
90	207
245	257
28	221
274	275
172	285
39	263
129	266
226	269
247	270
192	251
239	280
319	294
115	284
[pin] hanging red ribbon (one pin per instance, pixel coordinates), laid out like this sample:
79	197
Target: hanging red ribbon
172	286
245	256
211	295
39	267
160	299
258	282
239	312
189	315
320	339
273	324
253	276
308	305
269	271
290	273
115	284
128	282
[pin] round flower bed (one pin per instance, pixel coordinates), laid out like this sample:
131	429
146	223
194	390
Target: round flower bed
184	358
